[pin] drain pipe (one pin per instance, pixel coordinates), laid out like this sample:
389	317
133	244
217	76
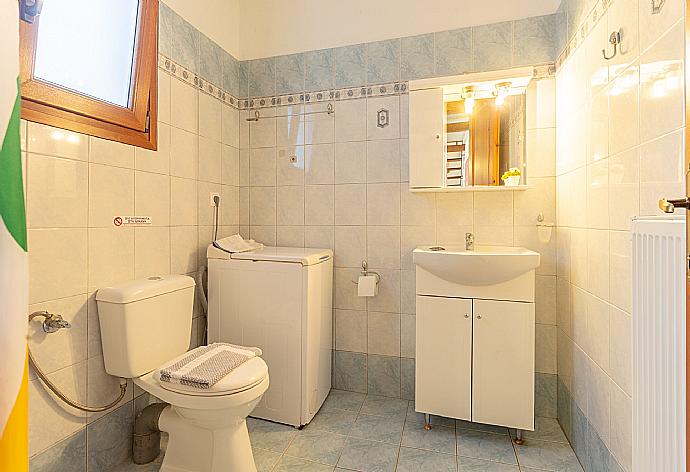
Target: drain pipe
147	434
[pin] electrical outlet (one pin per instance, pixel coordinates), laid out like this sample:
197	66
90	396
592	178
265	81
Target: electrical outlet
211	197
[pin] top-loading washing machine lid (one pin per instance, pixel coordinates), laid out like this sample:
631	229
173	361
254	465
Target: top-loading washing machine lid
305	256
243	377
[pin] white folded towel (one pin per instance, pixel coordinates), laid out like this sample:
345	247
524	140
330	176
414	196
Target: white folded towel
204	366
236	243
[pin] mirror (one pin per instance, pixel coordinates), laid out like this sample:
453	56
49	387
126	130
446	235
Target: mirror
470	133
484	140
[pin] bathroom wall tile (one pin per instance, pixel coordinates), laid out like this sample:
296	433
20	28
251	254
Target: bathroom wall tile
383	161
230	126
290	165
210	117
262	201
152	197
383	376
183	247
184	43
383	204
350	246
231	74
319	207
152	252
184	154
230	166
350	66
661	86
43	139
290	205
494	46
111	153
350	161
65	347
383	246
184	106
57	192
350	330
289	74
383	334
383	61
262	167
661	171
110	439
388	298
290	236
68	455
319	69
57	262
417	58
183	201
350	371
157	161
49	421
262	77
351	120
533	40
389	105
210	60
111	256
453	52
319	167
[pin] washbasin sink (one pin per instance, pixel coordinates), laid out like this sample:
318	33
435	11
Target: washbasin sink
483	265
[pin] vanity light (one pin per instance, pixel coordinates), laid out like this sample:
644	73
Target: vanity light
502	91
468	93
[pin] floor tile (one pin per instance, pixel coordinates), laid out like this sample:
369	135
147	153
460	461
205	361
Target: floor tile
268	435
488	446
334	421
470	464
546	429
487	428
438	439
414	418
264	459
548	456
342	400
317	446
293	464
418	460
378	428
368	456
384	406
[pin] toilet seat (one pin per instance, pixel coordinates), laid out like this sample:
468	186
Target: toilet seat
243	377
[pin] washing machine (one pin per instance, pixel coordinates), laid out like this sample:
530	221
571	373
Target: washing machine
278	299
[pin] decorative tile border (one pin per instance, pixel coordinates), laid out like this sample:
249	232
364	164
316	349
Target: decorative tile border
350	93
584	29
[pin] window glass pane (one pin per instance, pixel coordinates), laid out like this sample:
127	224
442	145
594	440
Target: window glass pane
88	46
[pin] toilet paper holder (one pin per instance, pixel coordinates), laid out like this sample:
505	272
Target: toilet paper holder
366	272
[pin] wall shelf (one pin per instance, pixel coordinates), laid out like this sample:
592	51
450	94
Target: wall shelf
476	188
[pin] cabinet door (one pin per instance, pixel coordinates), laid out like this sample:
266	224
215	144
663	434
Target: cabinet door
503	364
426	138
443	377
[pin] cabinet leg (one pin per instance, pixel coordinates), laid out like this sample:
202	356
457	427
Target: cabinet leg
427	421
519	437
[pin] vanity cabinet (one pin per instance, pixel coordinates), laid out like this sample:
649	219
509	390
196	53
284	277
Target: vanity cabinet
475	360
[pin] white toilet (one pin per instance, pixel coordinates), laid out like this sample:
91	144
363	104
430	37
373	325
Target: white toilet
148	322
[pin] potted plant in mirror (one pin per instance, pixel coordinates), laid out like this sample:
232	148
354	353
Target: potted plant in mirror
511	178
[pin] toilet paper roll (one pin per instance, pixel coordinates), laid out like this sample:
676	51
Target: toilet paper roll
367	286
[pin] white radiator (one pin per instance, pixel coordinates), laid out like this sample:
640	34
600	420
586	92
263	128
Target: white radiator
658	271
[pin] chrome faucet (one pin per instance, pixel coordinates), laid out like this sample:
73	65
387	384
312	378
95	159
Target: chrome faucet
469	241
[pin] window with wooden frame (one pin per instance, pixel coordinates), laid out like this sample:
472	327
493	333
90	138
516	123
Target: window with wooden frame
91	67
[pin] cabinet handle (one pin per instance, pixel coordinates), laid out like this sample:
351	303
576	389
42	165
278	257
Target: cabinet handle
479	317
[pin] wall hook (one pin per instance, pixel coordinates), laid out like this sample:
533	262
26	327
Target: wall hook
614	39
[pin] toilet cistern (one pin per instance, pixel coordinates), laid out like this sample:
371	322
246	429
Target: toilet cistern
469	241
